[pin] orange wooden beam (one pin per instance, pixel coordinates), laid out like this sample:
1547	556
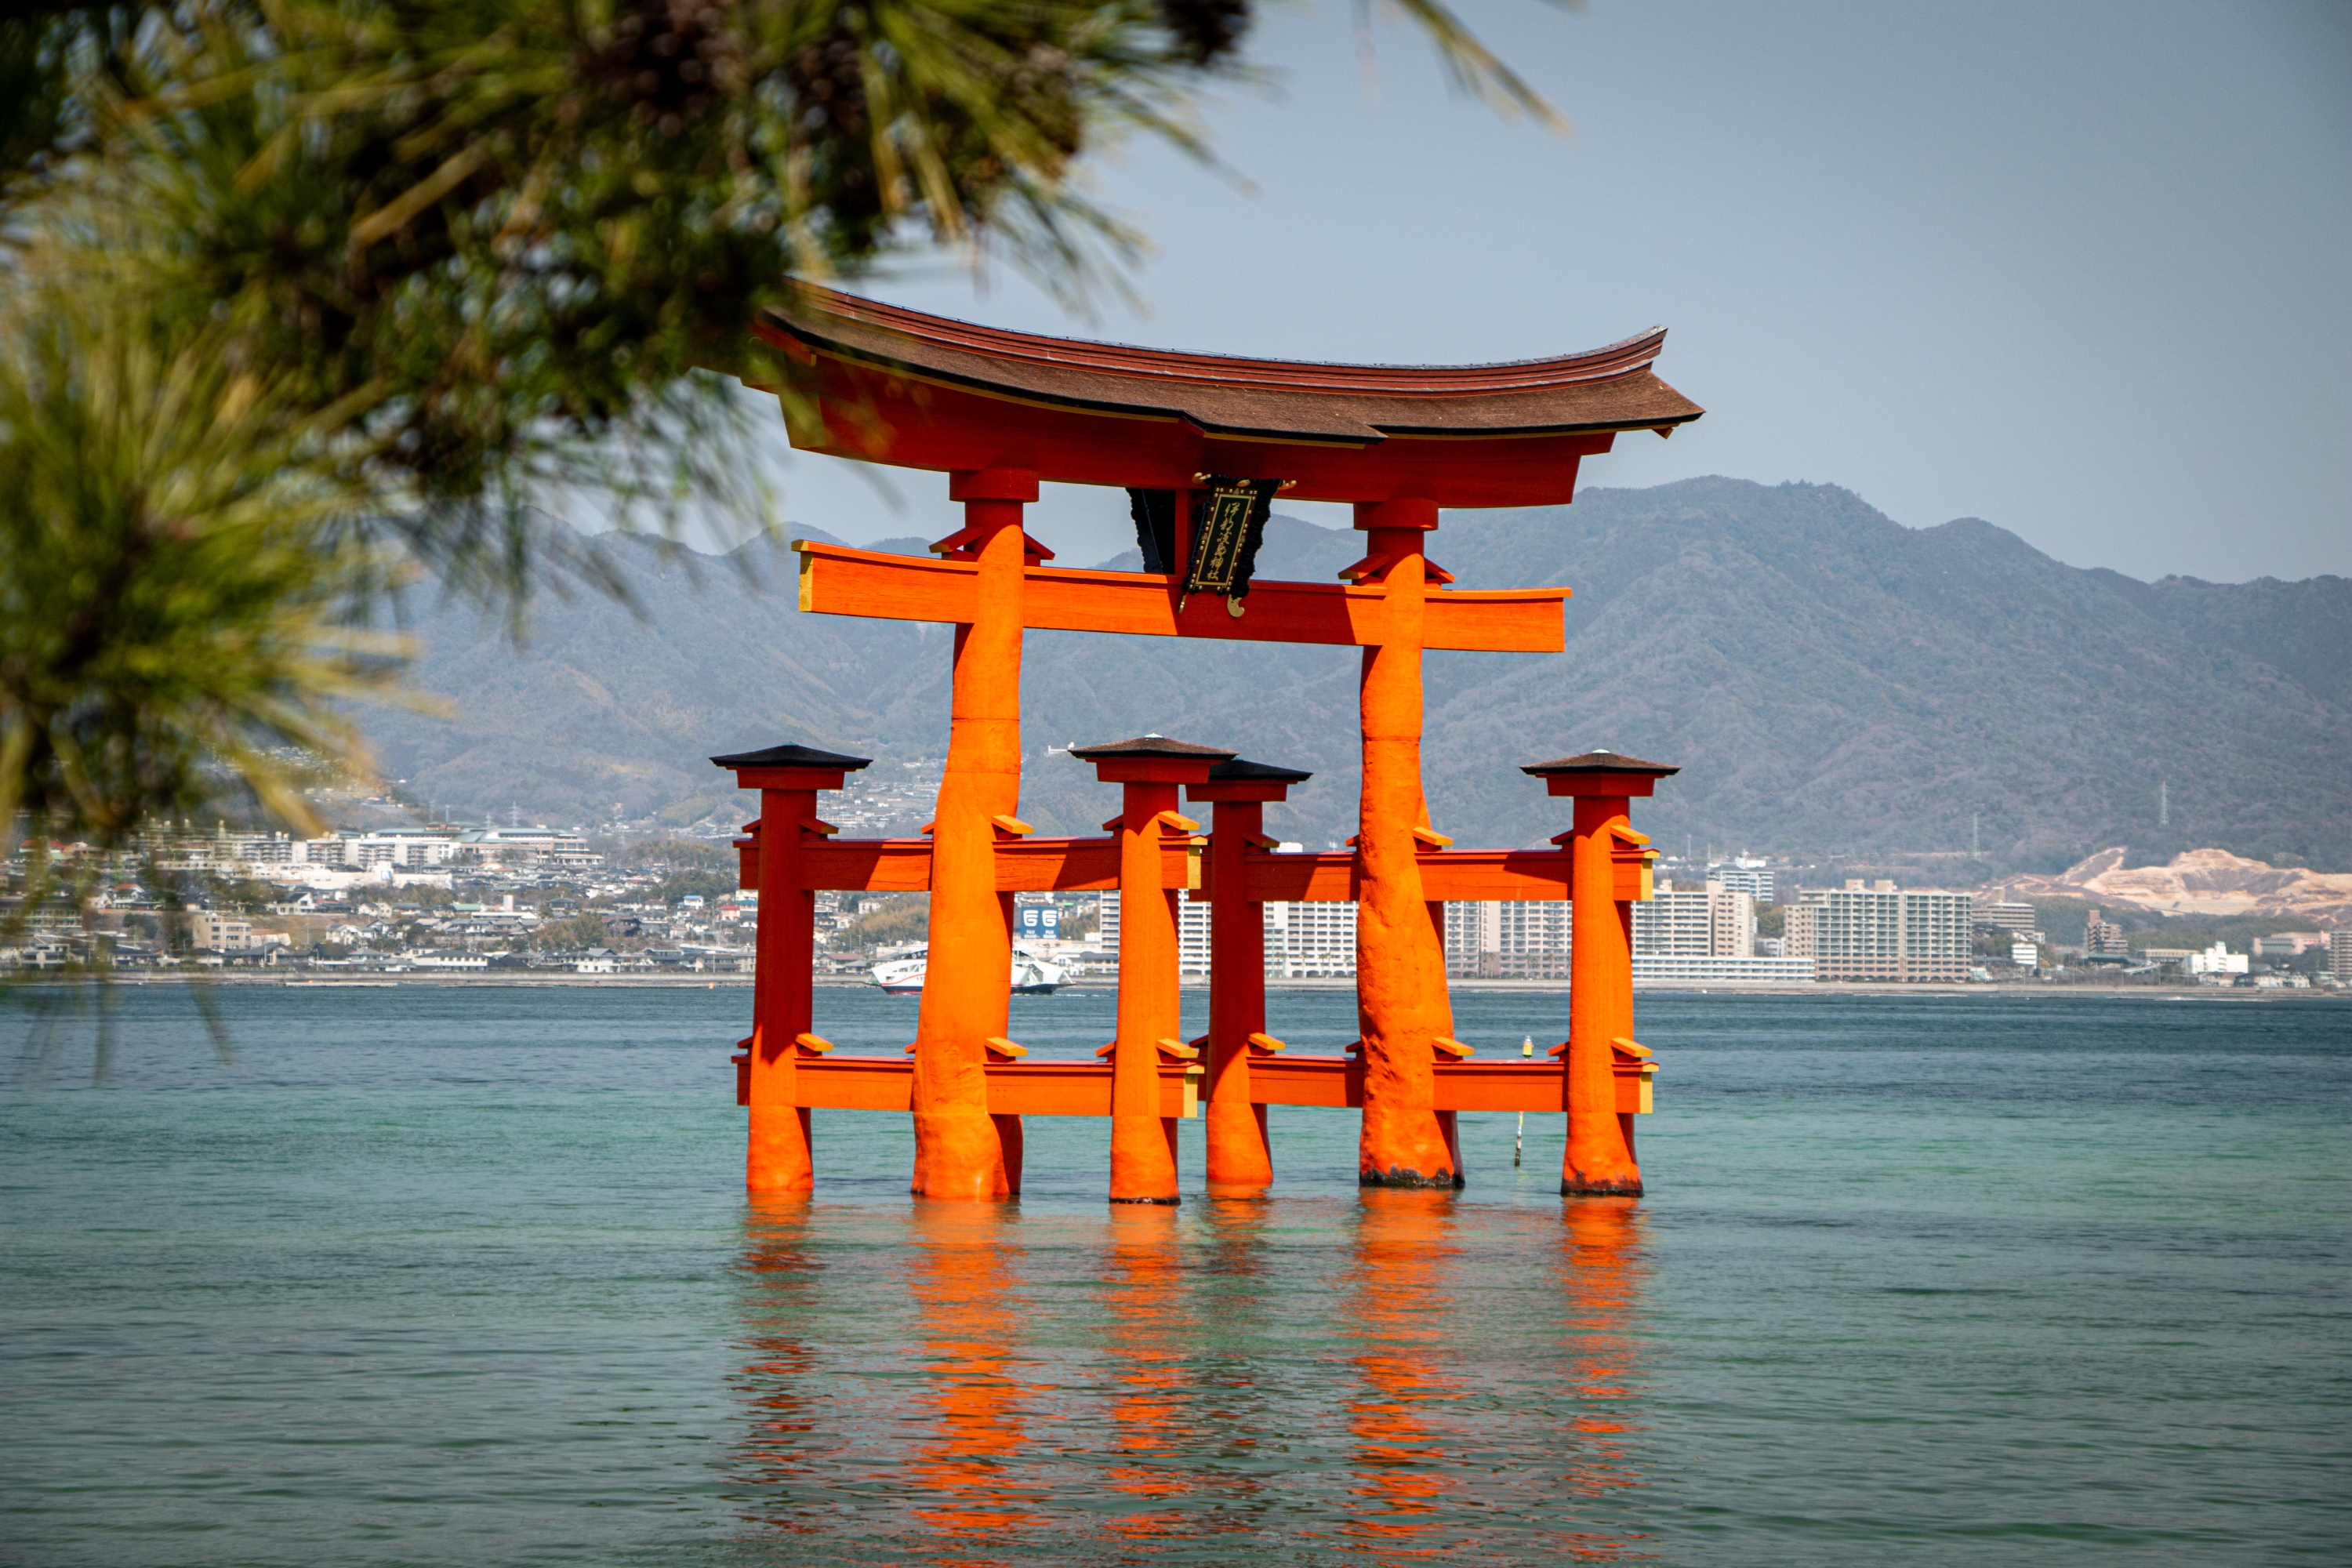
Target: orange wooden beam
1022	866
1014	1089
838	581
1456	875
1339	1082
1083	1089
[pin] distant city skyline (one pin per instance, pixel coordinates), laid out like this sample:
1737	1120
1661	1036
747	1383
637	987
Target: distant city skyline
2077	270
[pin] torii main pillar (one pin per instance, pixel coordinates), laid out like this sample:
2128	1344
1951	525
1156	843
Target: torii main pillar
1402	1002
960	1152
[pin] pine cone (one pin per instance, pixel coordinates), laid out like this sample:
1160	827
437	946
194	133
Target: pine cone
1206	30
670	60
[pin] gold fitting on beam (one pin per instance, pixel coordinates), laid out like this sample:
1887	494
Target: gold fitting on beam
1002	1048
814	1045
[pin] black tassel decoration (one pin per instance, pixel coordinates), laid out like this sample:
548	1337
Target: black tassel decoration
1154	513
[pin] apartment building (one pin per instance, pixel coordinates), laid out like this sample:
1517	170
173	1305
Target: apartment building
1698	934
2218	960
1756	881
1878	932
2002	915
540	845
2103	938
1303	942
1310	942
407	848
1706	922
219	933
1493	939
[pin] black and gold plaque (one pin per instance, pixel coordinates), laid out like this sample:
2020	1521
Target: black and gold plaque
1228	524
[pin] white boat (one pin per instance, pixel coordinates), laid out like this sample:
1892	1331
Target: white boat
903	975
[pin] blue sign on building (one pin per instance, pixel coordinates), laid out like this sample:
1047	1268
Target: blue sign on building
1037	923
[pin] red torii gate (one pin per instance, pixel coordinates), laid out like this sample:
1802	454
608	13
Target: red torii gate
1000	412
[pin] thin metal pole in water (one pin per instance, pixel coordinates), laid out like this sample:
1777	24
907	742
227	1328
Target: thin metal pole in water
1519	1144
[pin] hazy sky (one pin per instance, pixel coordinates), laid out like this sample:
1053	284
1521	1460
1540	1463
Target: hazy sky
2082	269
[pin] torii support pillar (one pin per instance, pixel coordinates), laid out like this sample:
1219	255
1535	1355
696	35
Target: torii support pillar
1241	1164
1402	1005
960	1150
778	1157
1600	1157
1149	770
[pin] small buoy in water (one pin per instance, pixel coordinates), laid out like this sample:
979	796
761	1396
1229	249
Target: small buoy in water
1519	1142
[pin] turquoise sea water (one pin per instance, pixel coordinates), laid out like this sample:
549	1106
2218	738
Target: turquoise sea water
466	1276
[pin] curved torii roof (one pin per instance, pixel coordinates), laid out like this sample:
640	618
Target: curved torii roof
899	386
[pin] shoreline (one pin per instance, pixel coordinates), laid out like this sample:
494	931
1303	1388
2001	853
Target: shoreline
511	980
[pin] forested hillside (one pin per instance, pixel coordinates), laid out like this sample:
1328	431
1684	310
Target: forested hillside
1829	681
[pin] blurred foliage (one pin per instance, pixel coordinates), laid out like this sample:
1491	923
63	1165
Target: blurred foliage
499	235
302	294
180	566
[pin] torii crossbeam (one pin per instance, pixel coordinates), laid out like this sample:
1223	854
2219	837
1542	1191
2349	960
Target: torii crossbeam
999	413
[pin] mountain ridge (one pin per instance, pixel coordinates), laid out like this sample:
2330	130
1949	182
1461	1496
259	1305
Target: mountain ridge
1831	680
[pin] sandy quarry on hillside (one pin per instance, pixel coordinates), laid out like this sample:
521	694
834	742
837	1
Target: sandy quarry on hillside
2199	882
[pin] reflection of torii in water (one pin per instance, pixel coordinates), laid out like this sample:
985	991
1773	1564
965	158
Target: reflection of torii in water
999	412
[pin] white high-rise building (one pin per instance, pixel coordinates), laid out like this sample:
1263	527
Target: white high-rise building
1192	937
1756	881
1707	922
1696	936
1310	942
1877	932
1507	939
1303	942
2219	960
